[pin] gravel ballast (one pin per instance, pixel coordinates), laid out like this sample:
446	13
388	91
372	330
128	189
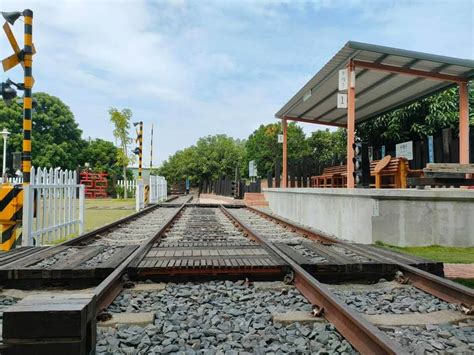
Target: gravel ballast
435	339
221	317
137	231
389	299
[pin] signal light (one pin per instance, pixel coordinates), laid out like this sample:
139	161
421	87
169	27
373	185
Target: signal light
8	93
361	165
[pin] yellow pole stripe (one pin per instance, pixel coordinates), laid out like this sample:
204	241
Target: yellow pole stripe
27	125
27	146
28	83
27	165
27	102
28	20
28	39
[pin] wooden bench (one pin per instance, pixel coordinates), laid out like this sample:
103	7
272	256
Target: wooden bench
395	170
332	176
445	174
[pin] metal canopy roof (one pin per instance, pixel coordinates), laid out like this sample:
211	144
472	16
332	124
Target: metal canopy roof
377	92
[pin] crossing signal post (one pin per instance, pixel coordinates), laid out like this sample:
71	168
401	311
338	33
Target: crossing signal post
361	165
13	197
139	149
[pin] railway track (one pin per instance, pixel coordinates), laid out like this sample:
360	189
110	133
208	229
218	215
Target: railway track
223	250
377	302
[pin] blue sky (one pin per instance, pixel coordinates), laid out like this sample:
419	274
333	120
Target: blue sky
194	68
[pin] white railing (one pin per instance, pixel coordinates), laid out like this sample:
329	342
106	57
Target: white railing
53	207
15	180
130	185
158	189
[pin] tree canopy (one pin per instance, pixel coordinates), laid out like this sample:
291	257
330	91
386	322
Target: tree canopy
56	137
418	120
263	147
211	158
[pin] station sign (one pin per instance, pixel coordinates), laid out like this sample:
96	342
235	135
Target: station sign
252	168
343	79
341	100
404	150
280	138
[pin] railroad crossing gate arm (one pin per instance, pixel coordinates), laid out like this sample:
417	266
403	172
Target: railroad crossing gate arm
17	57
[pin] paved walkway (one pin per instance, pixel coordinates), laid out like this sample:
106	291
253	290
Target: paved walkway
461	271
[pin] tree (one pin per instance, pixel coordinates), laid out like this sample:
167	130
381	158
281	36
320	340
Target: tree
102	156
211	158
121	121
420	119
328	147
262	146
56	137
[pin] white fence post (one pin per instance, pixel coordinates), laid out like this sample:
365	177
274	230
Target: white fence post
139	196
81	208
59	204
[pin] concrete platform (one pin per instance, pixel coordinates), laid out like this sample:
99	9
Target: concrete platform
407	217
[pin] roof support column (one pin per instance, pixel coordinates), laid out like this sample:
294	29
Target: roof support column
350	126
463	123
284	180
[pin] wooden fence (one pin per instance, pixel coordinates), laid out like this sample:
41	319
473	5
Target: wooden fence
53	207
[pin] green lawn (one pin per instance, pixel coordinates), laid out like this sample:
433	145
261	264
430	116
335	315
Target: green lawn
103	211
438	253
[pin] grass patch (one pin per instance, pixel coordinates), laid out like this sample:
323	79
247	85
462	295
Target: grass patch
438	253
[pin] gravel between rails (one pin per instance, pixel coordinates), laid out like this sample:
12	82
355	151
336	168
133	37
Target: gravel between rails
270	230
435	339
389	297
276	233
218	317
136	231
208	224
392	298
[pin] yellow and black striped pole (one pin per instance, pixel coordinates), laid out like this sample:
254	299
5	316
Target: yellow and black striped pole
27	99
151	148
140	153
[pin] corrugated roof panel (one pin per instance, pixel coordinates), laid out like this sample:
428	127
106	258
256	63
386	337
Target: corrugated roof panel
387	94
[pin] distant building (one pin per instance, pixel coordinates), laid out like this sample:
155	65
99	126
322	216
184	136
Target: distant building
145	172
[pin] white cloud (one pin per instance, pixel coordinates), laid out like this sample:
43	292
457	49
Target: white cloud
203	67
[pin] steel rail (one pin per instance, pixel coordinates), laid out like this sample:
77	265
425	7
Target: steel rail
364	336
440	287
112	285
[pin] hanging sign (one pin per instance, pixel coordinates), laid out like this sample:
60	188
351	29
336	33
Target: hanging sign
343	79
280	138
430	150
405	150
341	100
252	168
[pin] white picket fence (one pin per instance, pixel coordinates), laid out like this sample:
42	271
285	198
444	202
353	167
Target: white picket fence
157	191
53	207
131	186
